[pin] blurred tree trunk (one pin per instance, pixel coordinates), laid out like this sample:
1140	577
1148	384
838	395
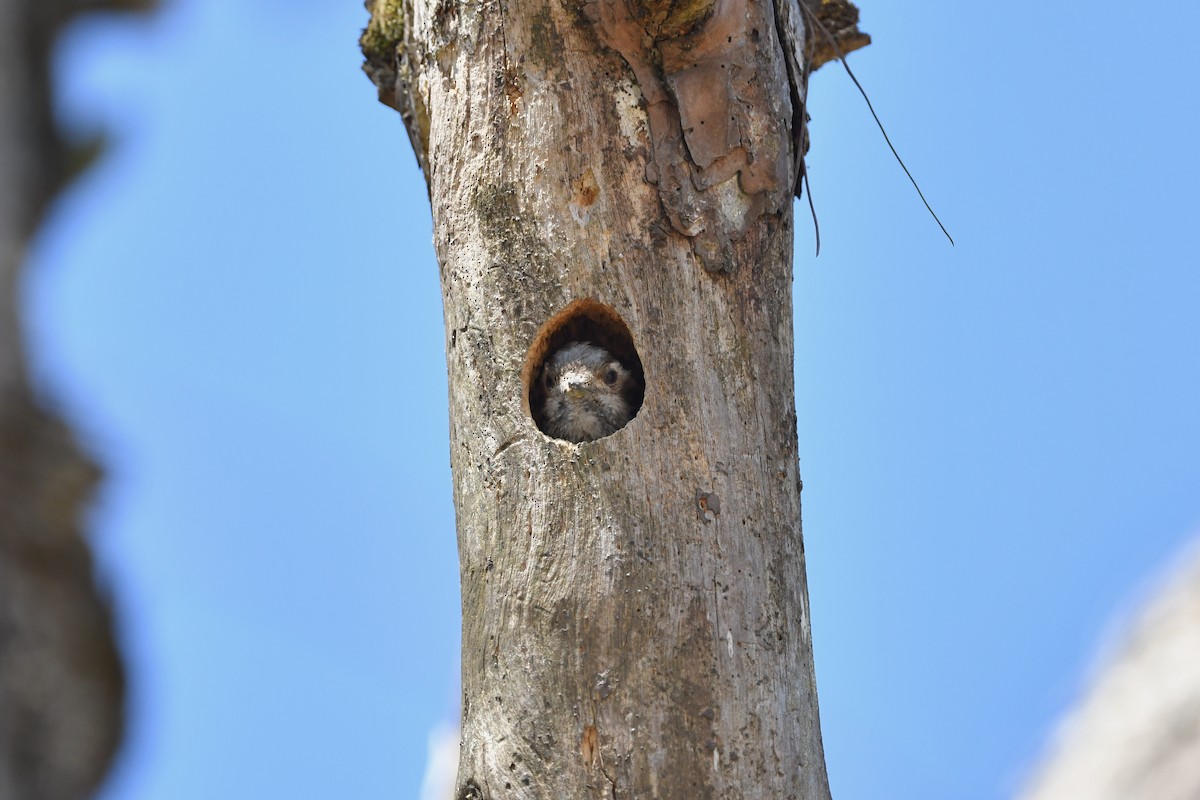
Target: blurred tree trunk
61	683
1135	732
635	613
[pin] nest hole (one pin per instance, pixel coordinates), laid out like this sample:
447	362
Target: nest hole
587	321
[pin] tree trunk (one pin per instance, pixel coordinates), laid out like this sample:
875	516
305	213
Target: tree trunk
635	614
61	683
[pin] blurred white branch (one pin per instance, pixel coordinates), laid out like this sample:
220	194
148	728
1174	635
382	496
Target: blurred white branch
1136	733
442	766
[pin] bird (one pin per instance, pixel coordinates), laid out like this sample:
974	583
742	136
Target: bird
589	393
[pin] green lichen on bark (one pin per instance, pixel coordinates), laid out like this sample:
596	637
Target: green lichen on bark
506	226
669	19
388	66
384	31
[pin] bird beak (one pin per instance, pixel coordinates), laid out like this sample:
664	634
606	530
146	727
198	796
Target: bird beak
575	384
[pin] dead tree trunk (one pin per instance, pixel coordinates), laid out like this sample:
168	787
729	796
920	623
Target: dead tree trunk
635	613
61	683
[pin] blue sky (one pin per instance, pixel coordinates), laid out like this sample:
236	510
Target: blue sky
239	309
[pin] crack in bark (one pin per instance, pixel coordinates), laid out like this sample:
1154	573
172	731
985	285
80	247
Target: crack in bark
791	32
612	783
507	445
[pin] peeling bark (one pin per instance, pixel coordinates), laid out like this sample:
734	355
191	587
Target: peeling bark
718	101
635	614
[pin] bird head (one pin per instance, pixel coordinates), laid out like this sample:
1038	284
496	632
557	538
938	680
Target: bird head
587	393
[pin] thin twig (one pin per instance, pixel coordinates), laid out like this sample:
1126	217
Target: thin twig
812	208
841	57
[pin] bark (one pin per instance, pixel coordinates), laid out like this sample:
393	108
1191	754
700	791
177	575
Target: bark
834	31
61	682
635	613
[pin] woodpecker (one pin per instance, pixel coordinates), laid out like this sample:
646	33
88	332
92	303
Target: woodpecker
589	393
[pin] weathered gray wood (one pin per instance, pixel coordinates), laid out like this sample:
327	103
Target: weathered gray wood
61	683
635	615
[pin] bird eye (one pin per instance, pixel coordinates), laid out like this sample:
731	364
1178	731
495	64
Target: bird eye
610	377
